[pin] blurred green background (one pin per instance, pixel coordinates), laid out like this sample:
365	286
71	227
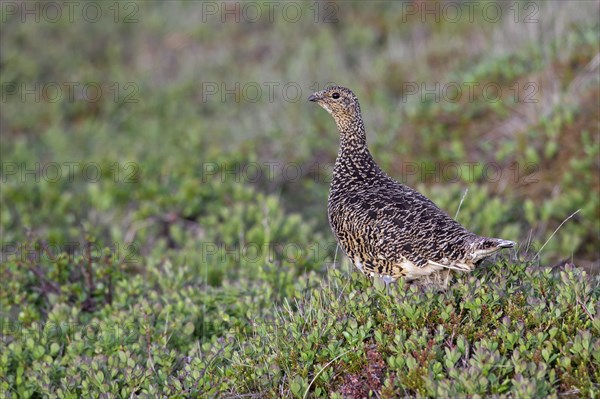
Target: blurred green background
174	139
173	104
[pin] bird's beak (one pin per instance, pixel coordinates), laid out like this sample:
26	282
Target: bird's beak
313	98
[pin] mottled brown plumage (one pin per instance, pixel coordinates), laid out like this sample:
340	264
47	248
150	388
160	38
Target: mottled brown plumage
386	228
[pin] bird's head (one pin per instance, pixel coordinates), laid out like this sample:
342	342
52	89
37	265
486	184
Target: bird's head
341	103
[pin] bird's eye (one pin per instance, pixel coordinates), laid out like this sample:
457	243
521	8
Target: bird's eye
336	95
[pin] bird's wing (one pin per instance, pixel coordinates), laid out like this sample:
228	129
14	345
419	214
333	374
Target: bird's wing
417	229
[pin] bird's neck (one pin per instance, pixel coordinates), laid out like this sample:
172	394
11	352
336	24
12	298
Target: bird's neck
352	135
354	158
